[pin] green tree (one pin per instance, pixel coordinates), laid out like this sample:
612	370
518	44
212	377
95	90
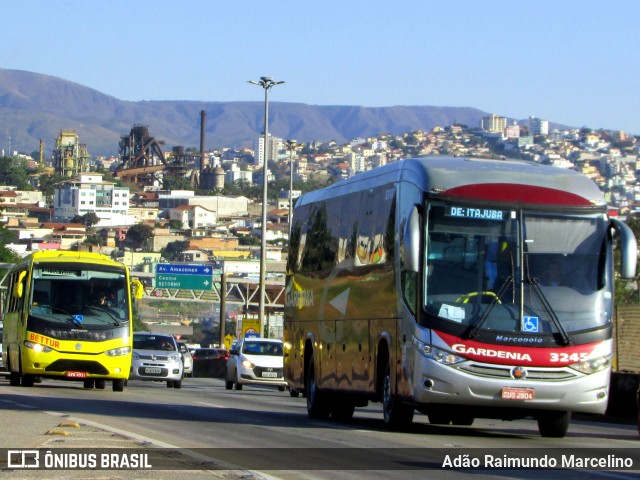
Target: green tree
173	249
139	235
6	254
13	171
94	239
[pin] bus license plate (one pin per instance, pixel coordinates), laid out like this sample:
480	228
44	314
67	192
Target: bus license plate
510	393
71	374
152	371
270	374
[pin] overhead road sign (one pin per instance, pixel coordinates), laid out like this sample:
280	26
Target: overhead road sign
180	276
179	269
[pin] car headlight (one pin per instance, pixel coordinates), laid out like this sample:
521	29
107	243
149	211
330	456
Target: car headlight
117	352
174	357
37	347
436	354
593	365
247	364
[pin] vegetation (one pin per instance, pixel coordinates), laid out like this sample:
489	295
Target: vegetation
138	235
173	250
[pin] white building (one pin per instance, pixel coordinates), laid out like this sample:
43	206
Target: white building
493	123
88	193
234	174
193	216
538	126
274	145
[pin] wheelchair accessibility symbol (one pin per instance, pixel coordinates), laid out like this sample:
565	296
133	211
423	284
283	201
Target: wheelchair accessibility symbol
530	324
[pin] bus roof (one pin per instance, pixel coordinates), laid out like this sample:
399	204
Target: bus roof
509	181
66	256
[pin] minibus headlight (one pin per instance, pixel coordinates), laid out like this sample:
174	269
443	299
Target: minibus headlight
593	365
436	354
117	352
37	347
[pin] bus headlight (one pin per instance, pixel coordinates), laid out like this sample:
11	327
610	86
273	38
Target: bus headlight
37	347
117	352
436	354
593	365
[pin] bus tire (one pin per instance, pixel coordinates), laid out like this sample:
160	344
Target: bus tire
118	385
317	406
554	424
28	380
342	409
396	413
462	420
15	379
88	384
101	384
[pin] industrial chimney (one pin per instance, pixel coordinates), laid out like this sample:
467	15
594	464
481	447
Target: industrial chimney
203	124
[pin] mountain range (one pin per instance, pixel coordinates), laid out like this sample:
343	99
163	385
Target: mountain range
36	107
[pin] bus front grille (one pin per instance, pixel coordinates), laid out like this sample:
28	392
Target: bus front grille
504	371
77	366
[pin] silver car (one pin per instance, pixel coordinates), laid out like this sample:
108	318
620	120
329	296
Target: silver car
187	359
156	357
256	361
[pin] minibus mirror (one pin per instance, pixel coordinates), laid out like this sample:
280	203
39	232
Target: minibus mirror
18	291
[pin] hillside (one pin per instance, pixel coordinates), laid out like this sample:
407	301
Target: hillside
35	106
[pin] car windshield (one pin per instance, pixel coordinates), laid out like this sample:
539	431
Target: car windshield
262	348
153	342
530	272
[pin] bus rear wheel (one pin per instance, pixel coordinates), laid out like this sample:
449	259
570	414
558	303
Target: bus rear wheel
554	424
317	406
396	413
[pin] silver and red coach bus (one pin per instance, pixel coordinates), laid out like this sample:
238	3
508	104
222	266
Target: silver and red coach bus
462	288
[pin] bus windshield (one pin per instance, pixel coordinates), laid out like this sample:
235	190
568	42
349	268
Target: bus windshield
517	271
82	298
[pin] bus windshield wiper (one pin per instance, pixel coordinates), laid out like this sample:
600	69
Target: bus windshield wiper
473	331
116	322
535	287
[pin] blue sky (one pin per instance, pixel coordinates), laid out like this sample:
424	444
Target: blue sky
575	62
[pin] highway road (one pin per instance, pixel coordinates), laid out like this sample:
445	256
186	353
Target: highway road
259	429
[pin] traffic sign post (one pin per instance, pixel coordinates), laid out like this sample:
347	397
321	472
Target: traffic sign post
187	277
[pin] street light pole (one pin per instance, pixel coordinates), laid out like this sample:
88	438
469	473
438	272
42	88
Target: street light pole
266	83
291	145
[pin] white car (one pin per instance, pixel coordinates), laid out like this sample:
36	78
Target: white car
256	361
156	357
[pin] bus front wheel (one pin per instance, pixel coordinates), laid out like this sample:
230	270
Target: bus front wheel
554	424
396	414
118	385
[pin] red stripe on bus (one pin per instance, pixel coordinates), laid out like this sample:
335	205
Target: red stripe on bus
506	192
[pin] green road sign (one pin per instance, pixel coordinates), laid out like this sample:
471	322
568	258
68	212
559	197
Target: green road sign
187	282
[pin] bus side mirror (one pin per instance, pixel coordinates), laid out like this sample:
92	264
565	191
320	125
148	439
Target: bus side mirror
628	249
411	253
19	290
138	289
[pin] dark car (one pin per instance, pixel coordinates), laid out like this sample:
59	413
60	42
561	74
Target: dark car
209	362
